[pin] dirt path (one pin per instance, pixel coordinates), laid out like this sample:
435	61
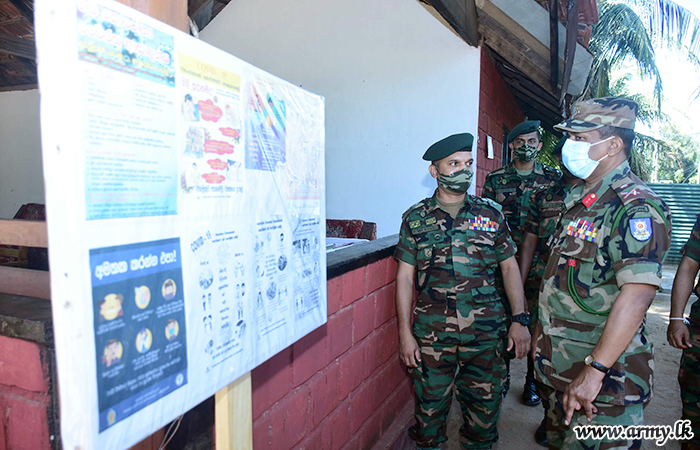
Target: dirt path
518	422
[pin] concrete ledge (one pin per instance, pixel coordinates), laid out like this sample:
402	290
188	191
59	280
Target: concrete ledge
26	318
359	255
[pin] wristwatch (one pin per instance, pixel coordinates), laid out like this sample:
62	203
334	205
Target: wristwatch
590	361
522	318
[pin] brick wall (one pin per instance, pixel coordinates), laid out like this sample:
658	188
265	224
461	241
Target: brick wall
497	107
341	386
25	397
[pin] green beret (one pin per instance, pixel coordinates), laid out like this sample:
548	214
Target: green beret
526	127
442	149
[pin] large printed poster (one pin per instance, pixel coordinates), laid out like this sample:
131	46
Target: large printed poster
186	216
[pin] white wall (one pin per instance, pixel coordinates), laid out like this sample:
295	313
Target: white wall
395	81
21	175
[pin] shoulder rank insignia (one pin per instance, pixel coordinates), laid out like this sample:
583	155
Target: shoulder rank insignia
582	229
504	181
481	223
641	228
589	199
634	191
414	223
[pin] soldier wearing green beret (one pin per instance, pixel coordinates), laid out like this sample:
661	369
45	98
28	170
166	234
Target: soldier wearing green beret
684	334
511	186
593	352
449	247
546	207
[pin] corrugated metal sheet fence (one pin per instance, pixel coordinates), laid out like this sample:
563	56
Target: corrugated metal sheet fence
684	201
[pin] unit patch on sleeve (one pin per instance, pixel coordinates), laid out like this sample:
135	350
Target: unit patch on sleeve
641	228
582	229
482	224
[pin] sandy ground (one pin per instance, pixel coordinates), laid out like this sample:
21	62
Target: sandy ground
518	422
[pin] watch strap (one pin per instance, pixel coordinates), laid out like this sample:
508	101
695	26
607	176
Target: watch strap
522	319
598	366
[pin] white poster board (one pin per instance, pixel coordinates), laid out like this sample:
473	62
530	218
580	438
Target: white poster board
186	217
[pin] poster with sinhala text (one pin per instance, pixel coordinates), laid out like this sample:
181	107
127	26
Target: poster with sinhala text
186	217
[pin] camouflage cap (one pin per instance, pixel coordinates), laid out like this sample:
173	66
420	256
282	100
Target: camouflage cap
529	126
592	114
443	148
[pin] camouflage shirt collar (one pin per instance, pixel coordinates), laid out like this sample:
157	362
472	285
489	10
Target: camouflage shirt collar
537	170
433	203
592	195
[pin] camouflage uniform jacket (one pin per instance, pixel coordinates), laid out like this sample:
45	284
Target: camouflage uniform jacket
546	208
618	233
512	192
455	261
691	249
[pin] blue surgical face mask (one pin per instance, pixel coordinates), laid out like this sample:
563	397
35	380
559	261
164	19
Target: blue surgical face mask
576	159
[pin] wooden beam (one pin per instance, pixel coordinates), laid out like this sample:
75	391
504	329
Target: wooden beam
515	57
554	44
461	16
516	44
571	33
27	233
234	416
25	282
19	87
10	21
24	48
25	9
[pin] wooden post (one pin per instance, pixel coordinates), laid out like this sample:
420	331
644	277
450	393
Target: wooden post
234	415
234	404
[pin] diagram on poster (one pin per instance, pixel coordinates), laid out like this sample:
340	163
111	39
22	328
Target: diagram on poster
212	164
140	326
217	254
186	200
272	287
266	124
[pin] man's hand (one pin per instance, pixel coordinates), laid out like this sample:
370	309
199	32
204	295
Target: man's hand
581	392
678	335
518	337
409	350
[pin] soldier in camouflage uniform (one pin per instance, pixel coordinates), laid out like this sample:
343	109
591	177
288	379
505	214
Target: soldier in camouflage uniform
449	247
593	353
511	186
546	207
684	334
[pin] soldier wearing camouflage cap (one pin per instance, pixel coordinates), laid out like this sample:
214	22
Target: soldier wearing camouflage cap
449	247
593	352
546	207
684	334
511	186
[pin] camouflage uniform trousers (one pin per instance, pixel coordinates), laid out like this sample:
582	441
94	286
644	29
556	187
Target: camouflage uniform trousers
560	436
532	290
477	371
689	380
